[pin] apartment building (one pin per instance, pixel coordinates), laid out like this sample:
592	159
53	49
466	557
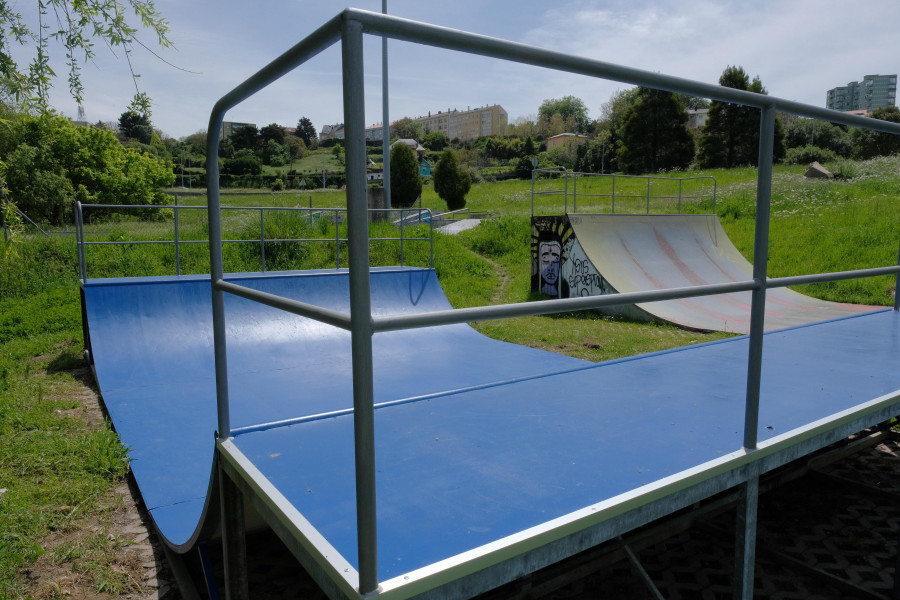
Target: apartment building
466	125
874	91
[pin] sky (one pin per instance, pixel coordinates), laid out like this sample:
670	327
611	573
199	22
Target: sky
798	48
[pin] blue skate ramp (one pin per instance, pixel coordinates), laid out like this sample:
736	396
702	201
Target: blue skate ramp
484	450
150	340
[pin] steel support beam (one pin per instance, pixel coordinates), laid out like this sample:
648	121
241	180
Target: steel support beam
745	539
234	543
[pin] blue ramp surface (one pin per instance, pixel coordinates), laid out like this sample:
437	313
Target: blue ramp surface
462	474
150	340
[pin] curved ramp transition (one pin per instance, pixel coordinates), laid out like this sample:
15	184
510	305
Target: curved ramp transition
630	253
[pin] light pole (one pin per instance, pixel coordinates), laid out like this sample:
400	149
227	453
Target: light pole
385	119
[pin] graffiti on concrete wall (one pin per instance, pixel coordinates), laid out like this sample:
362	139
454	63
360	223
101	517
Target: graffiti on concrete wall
559	266
551	239
580	275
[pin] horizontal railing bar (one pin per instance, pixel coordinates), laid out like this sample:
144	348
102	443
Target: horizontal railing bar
296	307
543	307
836	276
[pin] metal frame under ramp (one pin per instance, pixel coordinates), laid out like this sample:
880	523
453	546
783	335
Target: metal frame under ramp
461	578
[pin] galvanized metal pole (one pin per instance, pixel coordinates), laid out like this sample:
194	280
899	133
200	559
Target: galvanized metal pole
262	239
745	539
575	192
177	248
360	304
79	228
613	205
385	118
216	273
648	195
760	260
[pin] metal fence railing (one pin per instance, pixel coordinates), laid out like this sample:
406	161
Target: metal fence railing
635	193
172	232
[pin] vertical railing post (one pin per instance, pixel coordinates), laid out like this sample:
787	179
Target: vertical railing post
575	192
337	238
760	273
566	192
177	247
216	272
746	526
680	183
648	195
360	304
715	191
262	238
613	207
79	234
402	221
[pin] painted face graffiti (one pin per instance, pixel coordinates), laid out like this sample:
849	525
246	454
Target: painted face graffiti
549	254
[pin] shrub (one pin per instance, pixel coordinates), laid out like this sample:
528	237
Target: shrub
809	154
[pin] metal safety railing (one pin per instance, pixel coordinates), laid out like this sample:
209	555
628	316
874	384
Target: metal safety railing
347	29
660	191
337	216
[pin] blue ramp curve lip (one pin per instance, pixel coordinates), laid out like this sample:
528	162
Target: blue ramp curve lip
152	351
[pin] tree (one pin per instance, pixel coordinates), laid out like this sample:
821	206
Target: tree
53	163
654	134
451	181
435	141
609	128
730	137
406	183
692	102
274	154
407	129
572	111
134	126
245	138
306	131
295	148
77	26
869	144
272	132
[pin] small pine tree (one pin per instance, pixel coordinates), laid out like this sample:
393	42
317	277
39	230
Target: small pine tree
451	181
406	183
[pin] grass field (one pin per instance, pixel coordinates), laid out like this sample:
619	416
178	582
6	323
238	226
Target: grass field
56	466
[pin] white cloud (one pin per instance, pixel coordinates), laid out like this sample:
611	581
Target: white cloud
799	49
